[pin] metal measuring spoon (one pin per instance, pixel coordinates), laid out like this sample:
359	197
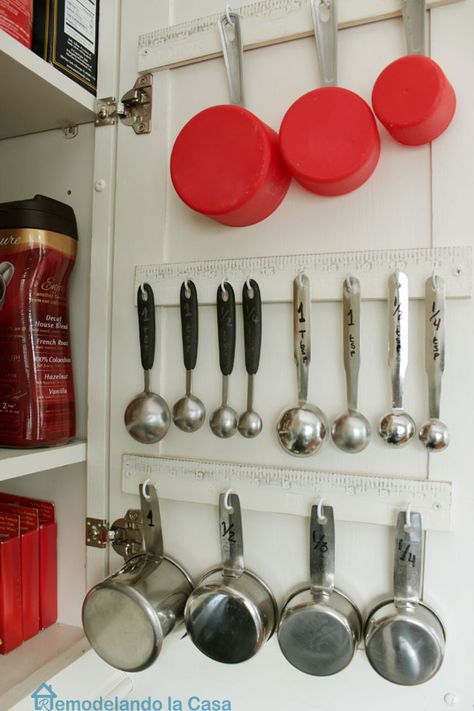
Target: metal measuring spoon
351	430
189	411
301	430
397	427
320	627
404	638
224	419
250	422
434	434
147	417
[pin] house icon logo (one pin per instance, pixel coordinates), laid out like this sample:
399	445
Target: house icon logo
44	698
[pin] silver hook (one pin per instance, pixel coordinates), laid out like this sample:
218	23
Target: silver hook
249	287
320	511
434	280
228	10
187	290
408	518
225	295
227	506
143	291
396	279
145	486
300	277
349	282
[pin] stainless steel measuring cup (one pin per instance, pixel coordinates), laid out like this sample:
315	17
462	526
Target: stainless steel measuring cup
232	612
320	627
127	616
404	638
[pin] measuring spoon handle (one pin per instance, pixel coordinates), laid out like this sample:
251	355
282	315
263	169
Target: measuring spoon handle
351	336
188	303
322	551
151	521
146	325
435	308
226	327
302	333
231	537
414	14
252	312
325	31
232	48
398	334
407	560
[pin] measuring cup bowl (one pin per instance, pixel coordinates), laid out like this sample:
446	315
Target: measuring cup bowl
226	164
404	645
127	616
229	619
414	100
319	634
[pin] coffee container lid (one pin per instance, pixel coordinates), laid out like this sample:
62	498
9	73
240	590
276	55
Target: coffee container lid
41	213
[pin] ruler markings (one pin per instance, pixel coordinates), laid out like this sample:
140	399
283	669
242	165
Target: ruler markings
275	273
356	497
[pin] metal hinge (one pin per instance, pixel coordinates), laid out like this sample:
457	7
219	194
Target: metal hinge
125	534
134	109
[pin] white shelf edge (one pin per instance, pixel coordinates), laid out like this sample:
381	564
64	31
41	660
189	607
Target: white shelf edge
38	660
21	462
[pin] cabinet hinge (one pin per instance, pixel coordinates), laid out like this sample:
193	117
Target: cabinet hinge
134	109
125	534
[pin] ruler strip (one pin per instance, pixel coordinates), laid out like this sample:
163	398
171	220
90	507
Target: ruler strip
265	22
355	497
275	274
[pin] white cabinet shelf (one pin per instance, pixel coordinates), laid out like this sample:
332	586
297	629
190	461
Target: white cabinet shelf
37	660
36	96
21	462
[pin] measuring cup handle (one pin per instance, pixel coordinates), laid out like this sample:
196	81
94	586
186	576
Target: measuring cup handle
226	327
351	336
322	551
232	48
302	333
414	14
146	325
325	31
407	560
151	521
230	532
398	334
188	303
435	308
252	311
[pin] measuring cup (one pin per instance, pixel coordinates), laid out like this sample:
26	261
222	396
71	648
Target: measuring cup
225	162
320	627
232	612
404	637
328	137
412	97
127	616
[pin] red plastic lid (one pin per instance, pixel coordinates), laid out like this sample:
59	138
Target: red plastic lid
220	159
329	140
412	96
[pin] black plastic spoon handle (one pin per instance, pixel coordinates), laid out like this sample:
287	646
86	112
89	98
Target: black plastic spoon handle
252	310
146	325
226	327
189	323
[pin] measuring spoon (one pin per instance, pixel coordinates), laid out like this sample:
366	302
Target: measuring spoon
434	434
320	627
397	427
250	422
147	417
189	411
404	638
301	430
351	430
224	419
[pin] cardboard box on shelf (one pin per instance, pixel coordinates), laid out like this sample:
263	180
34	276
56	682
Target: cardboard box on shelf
16	19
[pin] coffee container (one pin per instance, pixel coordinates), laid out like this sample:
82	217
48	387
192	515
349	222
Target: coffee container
38	243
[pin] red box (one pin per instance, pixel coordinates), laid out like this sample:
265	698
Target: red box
48	562
29	536
11	628
16	18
